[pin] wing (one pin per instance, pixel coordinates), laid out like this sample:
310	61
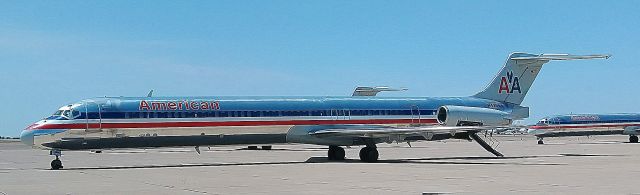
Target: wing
430	133
631	130
383	131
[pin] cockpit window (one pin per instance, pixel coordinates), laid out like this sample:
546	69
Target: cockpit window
57	113
66	114
75	113
543	122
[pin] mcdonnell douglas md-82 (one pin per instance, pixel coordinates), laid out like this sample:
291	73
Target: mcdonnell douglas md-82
142	122
587	124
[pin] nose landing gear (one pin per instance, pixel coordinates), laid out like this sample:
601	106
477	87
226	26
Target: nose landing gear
56	163
540	141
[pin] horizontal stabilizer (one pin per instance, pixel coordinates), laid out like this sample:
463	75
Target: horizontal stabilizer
373	91
562	57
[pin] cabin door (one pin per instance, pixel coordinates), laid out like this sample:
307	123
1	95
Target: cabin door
93	120
415	115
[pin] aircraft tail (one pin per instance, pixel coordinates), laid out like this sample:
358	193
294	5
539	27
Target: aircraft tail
517	75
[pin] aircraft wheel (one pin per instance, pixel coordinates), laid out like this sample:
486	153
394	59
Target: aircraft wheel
540	142
363	153
369	154
633	139
266	147
336	153
56	164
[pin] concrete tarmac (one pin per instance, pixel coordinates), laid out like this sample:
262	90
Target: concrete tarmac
570	165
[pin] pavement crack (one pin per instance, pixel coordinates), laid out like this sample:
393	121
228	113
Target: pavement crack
174	188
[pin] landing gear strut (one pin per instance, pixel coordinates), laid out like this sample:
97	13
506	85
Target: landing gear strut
540	141
56	163
633	138
336	153
369	154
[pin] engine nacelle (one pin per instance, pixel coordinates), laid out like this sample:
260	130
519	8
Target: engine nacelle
465	116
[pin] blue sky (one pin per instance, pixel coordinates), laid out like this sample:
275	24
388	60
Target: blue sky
57	52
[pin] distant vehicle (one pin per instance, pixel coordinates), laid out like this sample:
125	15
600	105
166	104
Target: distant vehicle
588	124
361	119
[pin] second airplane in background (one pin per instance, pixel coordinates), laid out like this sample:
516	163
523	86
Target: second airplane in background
587	124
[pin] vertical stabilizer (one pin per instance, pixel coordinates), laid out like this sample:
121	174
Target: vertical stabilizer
517	75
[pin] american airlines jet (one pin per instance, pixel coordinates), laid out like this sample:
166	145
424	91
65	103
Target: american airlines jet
142	122
587	124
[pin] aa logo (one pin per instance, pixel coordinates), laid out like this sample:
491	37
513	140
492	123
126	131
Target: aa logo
509	83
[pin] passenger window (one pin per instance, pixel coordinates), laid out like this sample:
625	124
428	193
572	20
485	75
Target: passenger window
255	114
316	113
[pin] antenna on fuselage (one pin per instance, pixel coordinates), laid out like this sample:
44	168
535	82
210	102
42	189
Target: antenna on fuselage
150	93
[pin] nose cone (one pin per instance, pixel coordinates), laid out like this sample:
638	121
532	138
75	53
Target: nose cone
26	137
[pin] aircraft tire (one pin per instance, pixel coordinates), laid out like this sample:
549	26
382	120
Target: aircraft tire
56	164
339	155
369	154
540	142
633	139
362	153
336	153
331	153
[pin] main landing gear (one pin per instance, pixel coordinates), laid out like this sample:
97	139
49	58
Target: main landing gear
369	154
56	163
336	153
633	139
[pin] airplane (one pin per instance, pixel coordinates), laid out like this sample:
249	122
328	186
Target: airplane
587	124
364	120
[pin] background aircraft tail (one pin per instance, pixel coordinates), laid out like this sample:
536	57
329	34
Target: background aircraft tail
517	75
